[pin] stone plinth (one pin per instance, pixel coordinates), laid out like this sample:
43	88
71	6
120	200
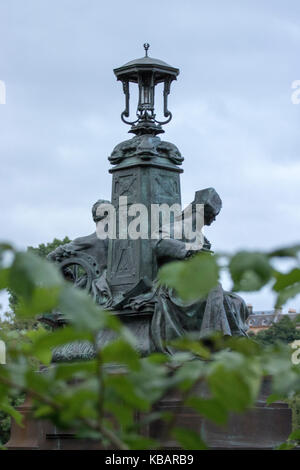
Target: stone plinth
262	427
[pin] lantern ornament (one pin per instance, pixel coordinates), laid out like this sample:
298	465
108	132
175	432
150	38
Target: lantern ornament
147	73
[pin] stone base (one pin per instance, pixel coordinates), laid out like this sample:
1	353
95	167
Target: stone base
262	427
43	435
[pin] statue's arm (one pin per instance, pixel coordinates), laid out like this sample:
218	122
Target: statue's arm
168	248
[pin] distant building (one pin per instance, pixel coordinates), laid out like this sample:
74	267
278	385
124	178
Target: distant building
262	320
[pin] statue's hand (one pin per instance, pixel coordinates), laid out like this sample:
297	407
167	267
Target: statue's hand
191	253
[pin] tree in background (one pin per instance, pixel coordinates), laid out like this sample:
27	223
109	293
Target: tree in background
44	249
285	331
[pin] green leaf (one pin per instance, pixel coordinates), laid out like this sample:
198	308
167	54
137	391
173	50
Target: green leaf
43	411
158	358
75	369
192	279
245	346
51	339
4	278
188	439
189	343
81	402
122	386
295	435
188	373
120	352
80	309
249	270
286	446
230	389
138	442
151	381
287	293
42	300
234	380
209	408
284	280
29	271
273	398
16	415
290	251
40	382
122	413
285	376
43	355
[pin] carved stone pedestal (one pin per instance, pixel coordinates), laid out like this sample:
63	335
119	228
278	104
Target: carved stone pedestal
263	427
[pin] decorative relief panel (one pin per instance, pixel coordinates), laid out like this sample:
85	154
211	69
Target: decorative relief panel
125	185
123	262
165	188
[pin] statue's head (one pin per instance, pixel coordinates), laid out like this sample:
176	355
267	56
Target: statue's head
212	203
97	218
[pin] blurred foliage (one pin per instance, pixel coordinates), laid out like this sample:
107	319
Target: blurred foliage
249	271
10	321
42	250
216	377
193	278
5	420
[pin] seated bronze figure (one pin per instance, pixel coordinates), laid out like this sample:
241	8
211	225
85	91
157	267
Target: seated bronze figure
154	313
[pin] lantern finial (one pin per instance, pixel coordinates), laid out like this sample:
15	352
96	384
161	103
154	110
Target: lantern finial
146	47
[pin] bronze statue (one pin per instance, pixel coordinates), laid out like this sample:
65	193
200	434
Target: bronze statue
170	316
121	273
221	311
84	258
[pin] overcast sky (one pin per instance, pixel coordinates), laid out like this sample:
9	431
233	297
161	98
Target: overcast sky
233	119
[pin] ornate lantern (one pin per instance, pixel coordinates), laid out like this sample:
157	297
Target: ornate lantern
145	171
147	73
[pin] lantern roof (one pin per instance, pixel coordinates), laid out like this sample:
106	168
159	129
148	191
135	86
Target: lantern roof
146	64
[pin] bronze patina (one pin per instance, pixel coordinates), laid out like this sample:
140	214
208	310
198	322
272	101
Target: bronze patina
121	274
